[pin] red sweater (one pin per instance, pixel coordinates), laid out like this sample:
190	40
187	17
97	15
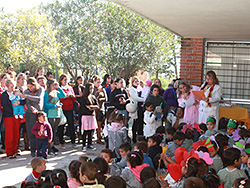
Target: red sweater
68	101
45	128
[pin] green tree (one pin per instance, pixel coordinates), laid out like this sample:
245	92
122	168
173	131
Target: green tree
27	40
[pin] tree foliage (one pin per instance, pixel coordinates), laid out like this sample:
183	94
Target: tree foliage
27	40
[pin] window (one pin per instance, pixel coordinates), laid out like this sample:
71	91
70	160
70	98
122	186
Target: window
231	62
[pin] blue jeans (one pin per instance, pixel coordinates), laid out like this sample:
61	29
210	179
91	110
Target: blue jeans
41	146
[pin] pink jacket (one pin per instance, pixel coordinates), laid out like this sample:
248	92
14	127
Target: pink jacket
73	183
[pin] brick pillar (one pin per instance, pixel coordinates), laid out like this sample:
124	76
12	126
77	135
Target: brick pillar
192	50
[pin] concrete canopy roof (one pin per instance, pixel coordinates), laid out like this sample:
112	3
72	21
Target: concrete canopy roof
212	19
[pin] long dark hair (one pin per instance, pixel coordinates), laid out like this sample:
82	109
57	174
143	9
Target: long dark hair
87	93
105	79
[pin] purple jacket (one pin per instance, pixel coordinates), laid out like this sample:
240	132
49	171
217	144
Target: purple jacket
170	96
45	128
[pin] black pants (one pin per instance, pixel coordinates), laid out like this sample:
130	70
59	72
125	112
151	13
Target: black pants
85	134
137	128
70	120
41	146
60	131
54	122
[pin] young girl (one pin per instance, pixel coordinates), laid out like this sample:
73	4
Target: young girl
211	124
194	168
219	142
88	175
88	106
211	180
131	174
43	132
244	160
74	181
152	123
241	183
103	168
117	132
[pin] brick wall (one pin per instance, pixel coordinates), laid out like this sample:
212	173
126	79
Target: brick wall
191	60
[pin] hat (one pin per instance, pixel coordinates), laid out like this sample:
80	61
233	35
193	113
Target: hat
211	119
179	154
175	171
149	82
232	123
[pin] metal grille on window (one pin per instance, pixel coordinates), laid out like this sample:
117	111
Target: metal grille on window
231	62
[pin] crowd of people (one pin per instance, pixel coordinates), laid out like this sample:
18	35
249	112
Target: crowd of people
177	139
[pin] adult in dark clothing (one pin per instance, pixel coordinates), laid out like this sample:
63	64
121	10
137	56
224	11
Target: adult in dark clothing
11	123
170	96
156	99
106	80
35	101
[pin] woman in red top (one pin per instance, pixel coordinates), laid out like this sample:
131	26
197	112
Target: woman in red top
67	110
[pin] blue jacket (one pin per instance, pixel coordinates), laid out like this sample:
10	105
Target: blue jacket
7	105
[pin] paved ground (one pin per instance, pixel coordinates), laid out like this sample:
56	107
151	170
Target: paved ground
14	171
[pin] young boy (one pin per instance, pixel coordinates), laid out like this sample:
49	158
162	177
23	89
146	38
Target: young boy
142	146
231	126
107	154
232	159
18	111
150	119
38	165
178	139
211	124
124	149
170	133
154	146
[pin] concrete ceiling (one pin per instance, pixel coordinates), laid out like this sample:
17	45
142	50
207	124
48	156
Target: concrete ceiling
211	19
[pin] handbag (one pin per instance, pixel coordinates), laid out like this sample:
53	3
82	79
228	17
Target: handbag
63	119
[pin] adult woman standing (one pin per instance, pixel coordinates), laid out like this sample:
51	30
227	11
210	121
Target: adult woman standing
34	100
157	81
191	112
88	106
79	88
101	96
106	80
21	85
67	109
52	106
11	123
209	106
134	92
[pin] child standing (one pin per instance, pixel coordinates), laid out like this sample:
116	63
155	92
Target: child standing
107	154
38	165
211	124
74	181
43	132
131	174
88	175
117	132
124	149
178	140
150	119
231	160
17	110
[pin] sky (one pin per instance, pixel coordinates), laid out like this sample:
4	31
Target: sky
12	6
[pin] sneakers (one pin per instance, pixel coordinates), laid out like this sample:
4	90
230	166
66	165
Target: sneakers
100	142
21	116
16	116
11	156
63	146
84	149
74	146
54	149
91	147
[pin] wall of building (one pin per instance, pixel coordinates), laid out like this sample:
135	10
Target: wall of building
191	65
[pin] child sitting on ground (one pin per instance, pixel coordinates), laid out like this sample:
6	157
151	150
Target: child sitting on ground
211	124
38	165
231	126
241	183
203	128
178	140
232	160
107	154
124	149
189	135
84	159
102	168
74	181
170	133
43	132
222	127
117	132
150	120
147	173
142	146
131	174
113	181
88	175
154	146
